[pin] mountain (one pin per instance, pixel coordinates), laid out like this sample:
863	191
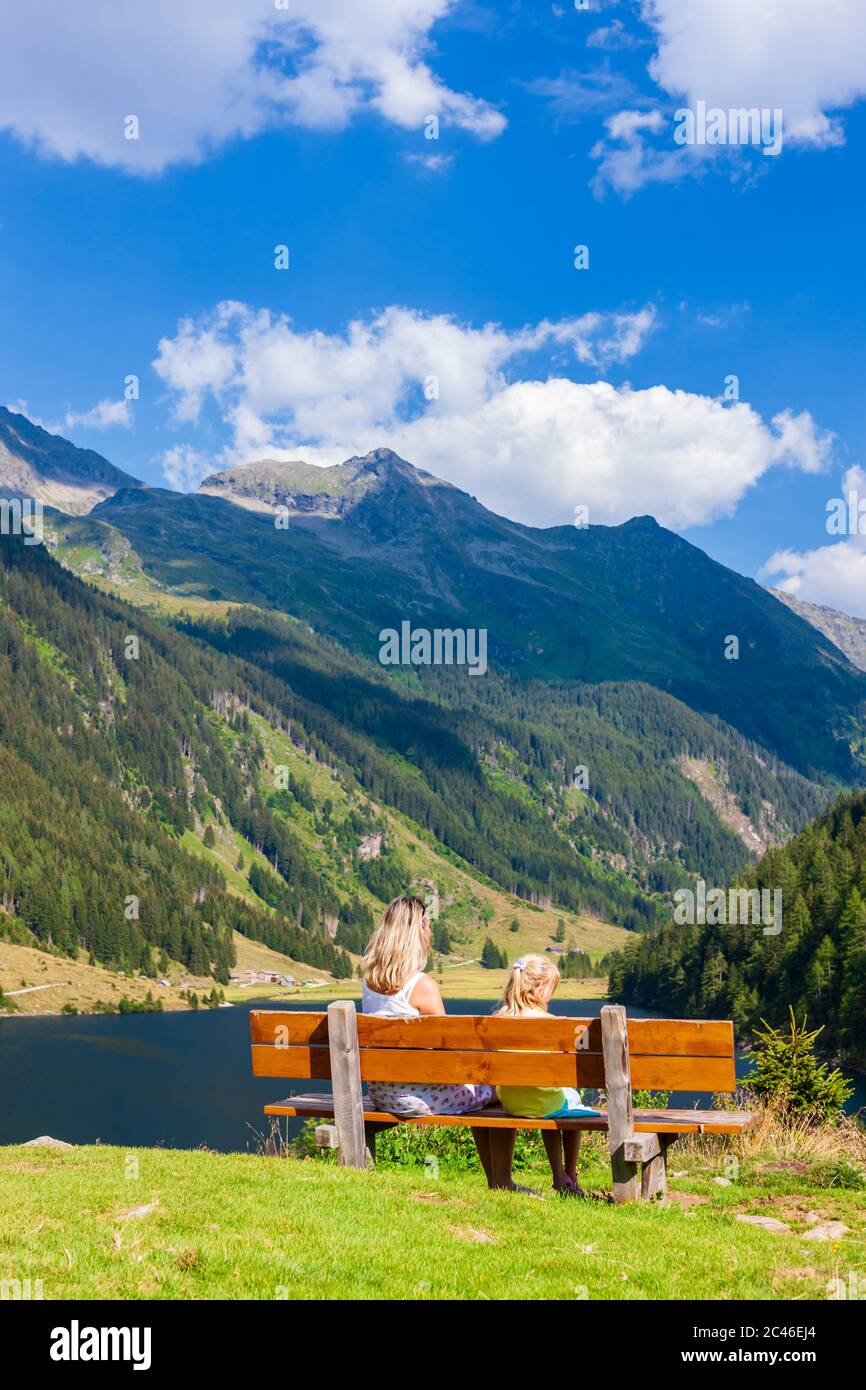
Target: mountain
301	487
373	542
845	632
37	464
162	801
611	751
816	964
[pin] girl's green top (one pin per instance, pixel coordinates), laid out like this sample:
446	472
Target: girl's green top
532	1102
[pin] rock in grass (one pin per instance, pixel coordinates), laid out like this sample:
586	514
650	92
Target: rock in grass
138	1212
828	1230
766	1223
46	1142
722	1182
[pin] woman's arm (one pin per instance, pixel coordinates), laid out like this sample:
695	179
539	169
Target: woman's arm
426	997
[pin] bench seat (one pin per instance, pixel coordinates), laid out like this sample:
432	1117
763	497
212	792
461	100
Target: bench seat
494	1117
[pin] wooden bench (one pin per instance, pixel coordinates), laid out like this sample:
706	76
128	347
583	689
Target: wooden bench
613	1053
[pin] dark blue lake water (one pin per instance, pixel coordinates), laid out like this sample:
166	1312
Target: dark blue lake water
177	1079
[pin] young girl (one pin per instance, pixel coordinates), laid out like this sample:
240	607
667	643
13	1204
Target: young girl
529	990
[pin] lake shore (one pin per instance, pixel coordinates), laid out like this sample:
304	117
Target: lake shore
39	983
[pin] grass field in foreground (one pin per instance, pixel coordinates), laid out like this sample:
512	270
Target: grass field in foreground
246	1227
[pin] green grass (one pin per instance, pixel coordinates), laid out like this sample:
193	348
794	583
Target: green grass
248	1227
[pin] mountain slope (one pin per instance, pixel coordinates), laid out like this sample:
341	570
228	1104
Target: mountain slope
158	796
382	543
37	464
845	632
607	653
815	964
109	753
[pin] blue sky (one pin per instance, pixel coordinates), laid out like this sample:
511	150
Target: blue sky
600	387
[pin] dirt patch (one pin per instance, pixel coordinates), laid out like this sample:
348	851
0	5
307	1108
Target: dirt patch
800	1278
788	1208
790	1165
687	1199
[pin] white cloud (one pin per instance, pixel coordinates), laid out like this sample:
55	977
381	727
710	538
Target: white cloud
183	467
720	317
833	575
801	57
572	95
808	59
105	415
531	449
199	73
612	37
431	163
628	160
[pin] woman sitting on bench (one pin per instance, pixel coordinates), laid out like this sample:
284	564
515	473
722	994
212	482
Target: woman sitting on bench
396	986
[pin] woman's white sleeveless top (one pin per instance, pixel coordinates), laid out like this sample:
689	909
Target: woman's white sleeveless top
391	1005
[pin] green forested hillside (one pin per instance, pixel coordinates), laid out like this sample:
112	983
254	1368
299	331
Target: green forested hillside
117	766
110	760
490	771
817	963
104	761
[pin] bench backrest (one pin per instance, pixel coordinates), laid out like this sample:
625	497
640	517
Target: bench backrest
664	1054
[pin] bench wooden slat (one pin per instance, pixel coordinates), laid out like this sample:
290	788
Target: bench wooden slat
465	1032
645	1121
518	1068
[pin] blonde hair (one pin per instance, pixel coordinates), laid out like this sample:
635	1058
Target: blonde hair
397	949
531	985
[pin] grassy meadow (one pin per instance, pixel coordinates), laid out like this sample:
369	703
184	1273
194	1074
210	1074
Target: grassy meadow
108	1223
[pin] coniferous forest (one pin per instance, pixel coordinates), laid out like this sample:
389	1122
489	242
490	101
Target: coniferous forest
816	964
106	760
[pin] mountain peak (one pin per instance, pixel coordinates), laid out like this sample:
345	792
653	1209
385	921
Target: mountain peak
36	463
313	490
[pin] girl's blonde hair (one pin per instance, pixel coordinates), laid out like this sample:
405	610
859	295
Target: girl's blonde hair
397	949
531	985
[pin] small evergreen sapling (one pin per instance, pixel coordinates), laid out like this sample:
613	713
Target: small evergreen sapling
788	1072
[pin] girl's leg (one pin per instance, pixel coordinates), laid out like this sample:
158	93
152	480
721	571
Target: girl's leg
571	1146
501	1157
553	1147
482	1144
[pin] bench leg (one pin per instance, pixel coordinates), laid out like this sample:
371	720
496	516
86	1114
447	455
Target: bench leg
326	1137
346	1081
624	1177
654	1178
617	1085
